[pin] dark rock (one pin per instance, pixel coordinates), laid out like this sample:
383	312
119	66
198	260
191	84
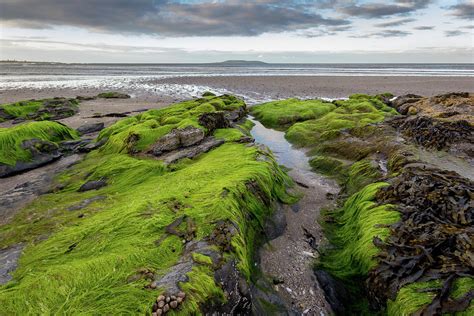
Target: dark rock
334	291
174	276
5	116
85	203
8	262
73	146
276	225
214	120
402	103
122	114
85	98
92	185
90	128
113	95
178	138
42	152
191	152
56	109
237	303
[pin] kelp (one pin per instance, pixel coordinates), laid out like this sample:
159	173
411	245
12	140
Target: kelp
90	259
432	241
434	133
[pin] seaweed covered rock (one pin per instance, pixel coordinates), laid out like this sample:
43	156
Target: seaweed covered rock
157	239
39	110
432	241
30	145
455	106
175	130
113	95
434	133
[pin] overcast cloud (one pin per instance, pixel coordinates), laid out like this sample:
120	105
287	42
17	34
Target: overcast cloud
192	27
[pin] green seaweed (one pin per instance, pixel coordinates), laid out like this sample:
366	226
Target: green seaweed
138	133
80	261
360	174
11	138
413	297
355	226
281	114
21	109
356	112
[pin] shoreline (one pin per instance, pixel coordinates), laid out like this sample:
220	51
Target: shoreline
254	89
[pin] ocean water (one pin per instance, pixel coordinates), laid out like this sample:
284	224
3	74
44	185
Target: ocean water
141	77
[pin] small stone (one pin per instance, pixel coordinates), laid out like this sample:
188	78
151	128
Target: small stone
155	307
153	285
168	299
154	314
412	110
161	304
173	298
174	304
179	300
181	294
159	312
166	308
160	298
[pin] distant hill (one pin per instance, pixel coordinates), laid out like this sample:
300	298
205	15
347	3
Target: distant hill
241	63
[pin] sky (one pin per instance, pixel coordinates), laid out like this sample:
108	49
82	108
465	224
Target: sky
187	31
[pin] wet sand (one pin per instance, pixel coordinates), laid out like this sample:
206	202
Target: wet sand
330	86
256	89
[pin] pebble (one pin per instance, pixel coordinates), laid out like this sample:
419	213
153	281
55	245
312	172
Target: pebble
154	314
159	312
160	298
173	298
166	308
168	299
161	304
174	304
179	300
181	294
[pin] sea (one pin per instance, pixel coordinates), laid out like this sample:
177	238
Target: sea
17	75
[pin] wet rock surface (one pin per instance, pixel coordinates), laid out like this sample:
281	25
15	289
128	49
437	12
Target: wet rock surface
19	190
42	152
90	128
8	262
92	185
178	138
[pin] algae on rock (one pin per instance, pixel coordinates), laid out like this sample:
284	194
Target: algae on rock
92	260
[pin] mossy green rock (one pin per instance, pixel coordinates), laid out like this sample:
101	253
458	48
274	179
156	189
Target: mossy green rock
26	146
92	262
39	110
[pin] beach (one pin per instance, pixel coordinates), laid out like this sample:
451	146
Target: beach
255	168
254	89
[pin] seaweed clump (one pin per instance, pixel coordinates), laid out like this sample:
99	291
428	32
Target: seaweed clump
157	231
39	110
29	145
432	241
